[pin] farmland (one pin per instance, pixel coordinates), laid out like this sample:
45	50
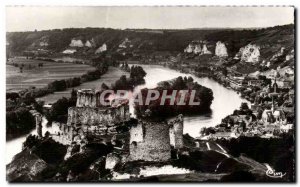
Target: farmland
110	77
34	75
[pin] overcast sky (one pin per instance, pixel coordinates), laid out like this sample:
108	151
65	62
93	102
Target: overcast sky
42	18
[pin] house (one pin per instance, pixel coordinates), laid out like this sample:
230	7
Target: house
255	82
234	83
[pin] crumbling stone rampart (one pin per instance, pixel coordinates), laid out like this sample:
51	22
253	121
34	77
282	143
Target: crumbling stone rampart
152	141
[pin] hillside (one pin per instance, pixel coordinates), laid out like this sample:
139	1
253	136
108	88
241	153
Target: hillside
252	45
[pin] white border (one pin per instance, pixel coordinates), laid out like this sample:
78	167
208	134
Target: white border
4	3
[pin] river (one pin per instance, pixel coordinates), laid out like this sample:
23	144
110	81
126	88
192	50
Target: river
224	103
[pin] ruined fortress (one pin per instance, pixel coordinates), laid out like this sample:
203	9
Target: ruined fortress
152	141
89	117
149	141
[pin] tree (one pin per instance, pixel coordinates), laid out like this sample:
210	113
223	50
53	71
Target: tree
244	106
104	86
59	110
224	71
19	121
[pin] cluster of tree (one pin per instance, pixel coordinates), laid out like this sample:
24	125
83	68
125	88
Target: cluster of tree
123	83
137	74
202	94
28	66
125	66
44	59
59	109
18	122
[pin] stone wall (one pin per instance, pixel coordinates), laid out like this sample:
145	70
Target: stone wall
98	116
38	122
88	97
155	145
84	121
176	132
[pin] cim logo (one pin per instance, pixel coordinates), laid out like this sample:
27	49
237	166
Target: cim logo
272	173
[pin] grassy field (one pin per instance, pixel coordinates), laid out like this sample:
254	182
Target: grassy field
38	77
108	78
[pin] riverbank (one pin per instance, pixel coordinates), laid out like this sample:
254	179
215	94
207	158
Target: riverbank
111	76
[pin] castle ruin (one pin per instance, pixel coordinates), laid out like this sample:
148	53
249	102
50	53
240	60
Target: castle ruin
149	141
152	141
89	117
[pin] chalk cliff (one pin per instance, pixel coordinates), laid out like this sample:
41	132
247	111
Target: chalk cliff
221	50
76	43
205	50
197	48
88	44
249	53
101	49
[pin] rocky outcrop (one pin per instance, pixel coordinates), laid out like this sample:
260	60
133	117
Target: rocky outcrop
69	51
205	50
125	44
249	53
101	49
88	44
189	49
25	167
197	48
221	50
290	56
76	43
279	54
43	43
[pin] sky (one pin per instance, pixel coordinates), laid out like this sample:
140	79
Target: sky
29	18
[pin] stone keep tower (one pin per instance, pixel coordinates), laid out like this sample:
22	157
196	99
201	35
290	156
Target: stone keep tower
150	141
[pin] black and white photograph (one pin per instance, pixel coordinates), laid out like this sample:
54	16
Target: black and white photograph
150	94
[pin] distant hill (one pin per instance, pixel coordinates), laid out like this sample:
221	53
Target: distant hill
270	40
